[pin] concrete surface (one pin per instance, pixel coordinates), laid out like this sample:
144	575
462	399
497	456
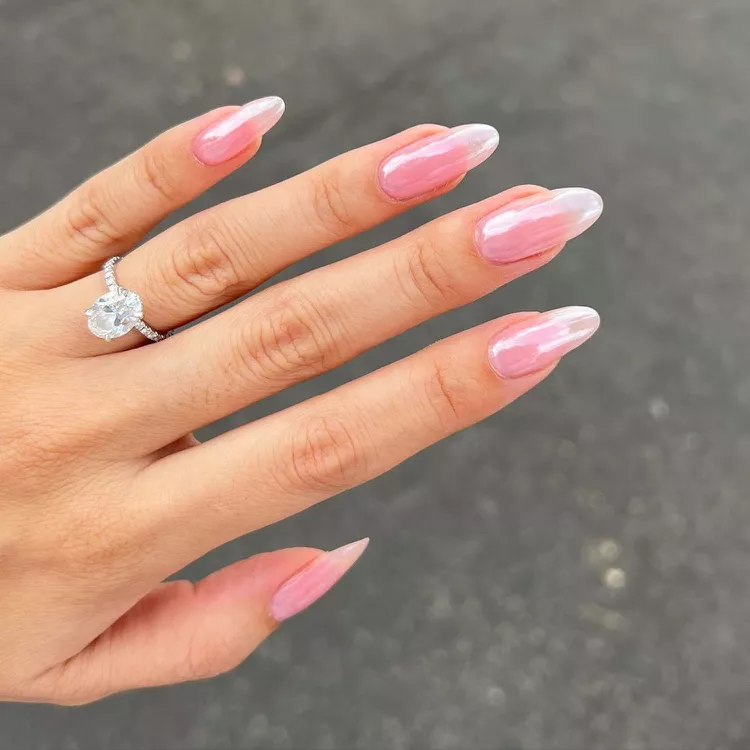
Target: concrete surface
574	572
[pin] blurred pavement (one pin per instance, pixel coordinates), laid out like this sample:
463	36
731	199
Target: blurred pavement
573	573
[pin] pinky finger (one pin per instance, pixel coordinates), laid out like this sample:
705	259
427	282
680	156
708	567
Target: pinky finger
183	631
109	213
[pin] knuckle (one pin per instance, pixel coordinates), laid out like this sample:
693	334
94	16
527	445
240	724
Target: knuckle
447	398
327	455
295	338
154	175
206	266
330	204
88	220
426	274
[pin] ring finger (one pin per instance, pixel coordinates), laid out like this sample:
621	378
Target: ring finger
220	254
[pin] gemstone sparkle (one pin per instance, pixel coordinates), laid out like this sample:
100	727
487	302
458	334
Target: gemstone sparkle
114	314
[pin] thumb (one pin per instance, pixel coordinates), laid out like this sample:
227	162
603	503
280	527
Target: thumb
183	631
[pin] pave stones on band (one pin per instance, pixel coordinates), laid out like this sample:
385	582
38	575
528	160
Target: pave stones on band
118	311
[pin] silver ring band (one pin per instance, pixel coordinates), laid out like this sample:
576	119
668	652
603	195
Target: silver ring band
119	311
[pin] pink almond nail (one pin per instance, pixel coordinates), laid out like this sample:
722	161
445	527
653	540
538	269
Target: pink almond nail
307	586
433	162
532	345
230	136
530	226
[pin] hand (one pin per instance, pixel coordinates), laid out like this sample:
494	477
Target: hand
103	491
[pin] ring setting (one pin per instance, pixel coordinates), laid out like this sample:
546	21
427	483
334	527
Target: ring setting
118	311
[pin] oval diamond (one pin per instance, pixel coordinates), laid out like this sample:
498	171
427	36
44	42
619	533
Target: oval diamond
114	314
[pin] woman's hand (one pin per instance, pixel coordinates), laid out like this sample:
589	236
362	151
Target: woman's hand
103	491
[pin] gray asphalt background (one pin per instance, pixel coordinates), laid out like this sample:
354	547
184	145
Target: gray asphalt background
573	573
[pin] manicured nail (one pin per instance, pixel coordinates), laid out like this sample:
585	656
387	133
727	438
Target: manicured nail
428	164
314	580
534	344
229	137
532	225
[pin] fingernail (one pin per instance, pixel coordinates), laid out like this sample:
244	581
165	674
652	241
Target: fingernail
435	161
307	586
534	344
530	226
229	137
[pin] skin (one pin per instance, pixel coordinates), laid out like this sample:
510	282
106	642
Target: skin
104	493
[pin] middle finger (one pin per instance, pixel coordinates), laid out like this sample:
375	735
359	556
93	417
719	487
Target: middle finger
313	323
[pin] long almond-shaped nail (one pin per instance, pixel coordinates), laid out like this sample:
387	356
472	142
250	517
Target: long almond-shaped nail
433	162
314	580
230	136
532	225
536	343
